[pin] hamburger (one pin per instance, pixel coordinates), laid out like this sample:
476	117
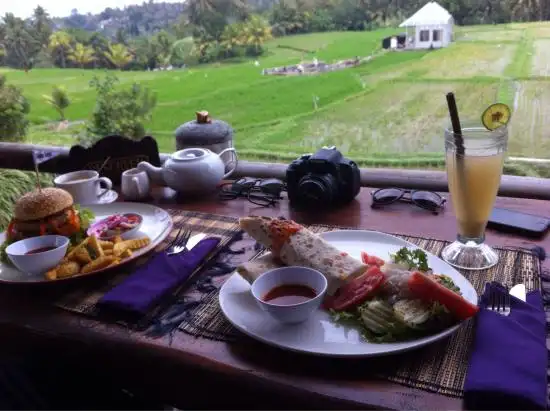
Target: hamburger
48	211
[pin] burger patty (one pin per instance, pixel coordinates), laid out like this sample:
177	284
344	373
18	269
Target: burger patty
35	227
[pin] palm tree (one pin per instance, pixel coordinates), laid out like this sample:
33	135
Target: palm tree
42	25
531	9
233	36
59	100
82	55
119	55
18	41
162	44
60	43
197	9
256	32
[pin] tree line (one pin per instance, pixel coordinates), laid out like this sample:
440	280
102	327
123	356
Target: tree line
142	37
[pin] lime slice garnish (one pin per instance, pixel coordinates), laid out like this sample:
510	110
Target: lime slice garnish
495	116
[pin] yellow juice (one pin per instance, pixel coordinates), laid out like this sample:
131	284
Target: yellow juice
474	190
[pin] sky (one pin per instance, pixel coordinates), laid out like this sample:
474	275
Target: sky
62	8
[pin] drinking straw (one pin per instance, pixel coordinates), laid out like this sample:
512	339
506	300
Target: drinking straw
455	121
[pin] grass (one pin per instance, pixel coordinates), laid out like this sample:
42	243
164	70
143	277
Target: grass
388	110
14	184
541	64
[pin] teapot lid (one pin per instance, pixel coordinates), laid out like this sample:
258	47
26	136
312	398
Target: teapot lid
190	154
203	131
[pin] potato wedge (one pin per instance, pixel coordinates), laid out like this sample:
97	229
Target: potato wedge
134	244
98	264
120	248
51	275
73	252
116	262
106	245
68	269
82	256
127	253
138	243
93	247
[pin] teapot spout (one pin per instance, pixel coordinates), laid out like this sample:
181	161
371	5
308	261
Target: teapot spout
155	174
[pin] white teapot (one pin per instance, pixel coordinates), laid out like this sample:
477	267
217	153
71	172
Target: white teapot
190	170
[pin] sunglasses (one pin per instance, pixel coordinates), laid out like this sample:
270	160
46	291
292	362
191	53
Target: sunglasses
427	200
256	191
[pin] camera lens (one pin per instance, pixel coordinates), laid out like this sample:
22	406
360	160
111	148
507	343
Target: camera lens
318	190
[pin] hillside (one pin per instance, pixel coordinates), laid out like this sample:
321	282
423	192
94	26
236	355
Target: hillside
136	20
391	109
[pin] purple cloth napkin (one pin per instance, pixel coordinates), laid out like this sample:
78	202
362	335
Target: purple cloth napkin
162	273
509	360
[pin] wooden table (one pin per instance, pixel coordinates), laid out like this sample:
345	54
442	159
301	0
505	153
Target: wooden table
189	372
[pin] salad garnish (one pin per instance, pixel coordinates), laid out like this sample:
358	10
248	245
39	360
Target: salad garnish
400	299
413	259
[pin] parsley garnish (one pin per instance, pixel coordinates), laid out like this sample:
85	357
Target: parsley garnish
413	259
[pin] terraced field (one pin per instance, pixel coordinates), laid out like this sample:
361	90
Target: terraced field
392	106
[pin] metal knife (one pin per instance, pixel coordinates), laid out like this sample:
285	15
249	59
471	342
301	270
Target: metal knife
519	292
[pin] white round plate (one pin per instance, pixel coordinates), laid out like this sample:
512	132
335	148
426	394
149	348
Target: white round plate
320	335
156	224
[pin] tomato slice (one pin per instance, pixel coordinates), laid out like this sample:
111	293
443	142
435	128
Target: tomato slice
10	231
356	291
426	289
371	259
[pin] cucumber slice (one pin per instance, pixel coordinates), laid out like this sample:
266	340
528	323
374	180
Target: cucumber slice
413	313
378	317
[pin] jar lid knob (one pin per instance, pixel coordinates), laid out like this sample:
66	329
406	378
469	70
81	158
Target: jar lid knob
203	117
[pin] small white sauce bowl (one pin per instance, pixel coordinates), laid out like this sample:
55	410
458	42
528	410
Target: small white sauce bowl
38	263
295	313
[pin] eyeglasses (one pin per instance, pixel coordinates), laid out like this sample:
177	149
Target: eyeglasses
427	200
264	193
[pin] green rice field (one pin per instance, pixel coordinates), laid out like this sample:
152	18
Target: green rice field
391	107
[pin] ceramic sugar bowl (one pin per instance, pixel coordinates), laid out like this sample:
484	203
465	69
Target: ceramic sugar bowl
212	134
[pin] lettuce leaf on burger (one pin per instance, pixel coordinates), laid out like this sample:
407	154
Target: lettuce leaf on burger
47	211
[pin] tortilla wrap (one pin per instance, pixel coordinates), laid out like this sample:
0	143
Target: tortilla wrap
298	246
251	270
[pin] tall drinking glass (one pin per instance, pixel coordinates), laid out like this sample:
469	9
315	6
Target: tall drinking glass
474	178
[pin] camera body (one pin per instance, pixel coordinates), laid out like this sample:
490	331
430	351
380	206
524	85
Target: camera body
323	180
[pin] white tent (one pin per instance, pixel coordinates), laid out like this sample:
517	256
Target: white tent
431	26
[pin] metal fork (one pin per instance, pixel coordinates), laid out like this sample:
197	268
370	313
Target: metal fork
180	242
499	302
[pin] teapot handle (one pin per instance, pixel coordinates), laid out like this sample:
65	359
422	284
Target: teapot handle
232	149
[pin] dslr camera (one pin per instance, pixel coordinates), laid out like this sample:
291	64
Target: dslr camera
323	180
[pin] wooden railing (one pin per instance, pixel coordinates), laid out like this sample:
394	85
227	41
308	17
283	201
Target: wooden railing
19	156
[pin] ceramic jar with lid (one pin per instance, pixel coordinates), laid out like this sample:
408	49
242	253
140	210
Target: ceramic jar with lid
205	132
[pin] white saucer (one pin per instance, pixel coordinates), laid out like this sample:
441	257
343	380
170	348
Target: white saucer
107	198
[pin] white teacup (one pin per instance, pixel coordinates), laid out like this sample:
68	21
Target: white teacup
84	186
135	184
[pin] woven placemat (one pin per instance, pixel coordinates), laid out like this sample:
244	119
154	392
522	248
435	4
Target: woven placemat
440	367
83	299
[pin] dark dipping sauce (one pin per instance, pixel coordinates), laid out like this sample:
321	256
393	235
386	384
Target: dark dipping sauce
289	294
40	250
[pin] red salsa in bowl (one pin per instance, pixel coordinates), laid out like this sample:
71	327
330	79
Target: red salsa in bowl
115	225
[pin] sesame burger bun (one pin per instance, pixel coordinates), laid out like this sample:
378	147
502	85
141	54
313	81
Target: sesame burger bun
39	204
